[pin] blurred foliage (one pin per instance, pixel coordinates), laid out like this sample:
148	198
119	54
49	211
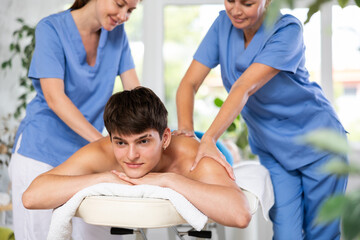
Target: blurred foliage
314	6
239	131
22	48
180	39
180	24
326	140
345	207
8	128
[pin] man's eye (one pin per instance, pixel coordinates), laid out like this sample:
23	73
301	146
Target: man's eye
120	143
143	141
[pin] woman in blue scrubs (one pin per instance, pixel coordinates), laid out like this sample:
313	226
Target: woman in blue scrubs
78	54
263	69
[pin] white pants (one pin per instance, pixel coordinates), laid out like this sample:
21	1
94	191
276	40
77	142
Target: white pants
34	224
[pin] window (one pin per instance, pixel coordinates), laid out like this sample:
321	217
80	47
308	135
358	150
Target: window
184	28
133	29
346	67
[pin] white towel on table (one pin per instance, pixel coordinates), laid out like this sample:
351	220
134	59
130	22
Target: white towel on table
61	227
255	178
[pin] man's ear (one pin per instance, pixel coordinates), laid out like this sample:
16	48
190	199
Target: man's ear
166	138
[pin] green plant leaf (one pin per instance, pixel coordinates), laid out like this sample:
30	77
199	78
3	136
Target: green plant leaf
23	96
4	64
357	2
218	102
325	140
242	140
314	8
20	20
273	12
232	127
332	208
17	48
290	3
339	168
351	216
343	3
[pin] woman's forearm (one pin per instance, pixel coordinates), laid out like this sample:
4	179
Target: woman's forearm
185	106
230	109
129	79
63	107
185	95
255	77
72	117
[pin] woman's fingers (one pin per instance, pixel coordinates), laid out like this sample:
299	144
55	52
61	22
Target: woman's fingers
214	154
228	169
187	133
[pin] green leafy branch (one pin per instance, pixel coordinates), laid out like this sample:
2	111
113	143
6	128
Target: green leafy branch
313	8
22	46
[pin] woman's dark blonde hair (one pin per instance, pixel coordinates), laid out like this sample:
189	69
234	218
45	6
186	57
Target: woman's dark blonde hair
79	4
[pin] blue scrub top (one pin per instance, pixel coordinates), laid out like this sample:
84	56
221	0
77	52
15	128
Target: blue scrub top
289	105
60	53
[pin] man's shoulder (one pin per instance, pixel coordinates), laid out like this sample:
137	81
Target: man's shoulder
186	146
101	147
99	155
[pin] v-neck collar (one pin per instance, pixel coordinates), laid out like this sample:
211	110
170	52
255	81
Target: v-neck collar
254	40
79	47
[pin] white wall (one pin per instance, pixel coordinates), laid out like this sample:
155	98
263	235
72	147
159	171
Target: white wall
31	11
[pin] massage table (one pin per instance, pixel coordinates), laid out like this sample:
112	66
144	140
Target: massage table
128	215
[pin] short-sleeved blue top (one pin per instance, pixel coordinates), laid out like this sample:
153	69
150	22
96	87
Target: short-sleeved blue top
289	105
60	53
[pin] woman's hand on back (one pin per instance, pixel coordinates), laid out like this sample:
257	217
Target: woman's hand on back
183	132
209	149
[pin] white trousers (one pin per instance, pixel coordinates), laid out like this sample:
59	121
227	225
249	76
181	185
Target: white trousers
34	224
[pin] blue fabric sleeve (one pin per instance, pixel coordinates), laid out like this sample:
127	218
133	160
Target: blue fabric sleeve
285	48
208	51
48	60
126	60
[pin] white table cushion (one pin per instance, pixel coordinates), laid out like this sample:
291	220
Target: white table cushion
136	212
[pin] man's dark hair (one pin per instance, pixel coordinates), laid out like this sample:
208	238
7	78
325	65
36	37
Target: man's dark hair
135	111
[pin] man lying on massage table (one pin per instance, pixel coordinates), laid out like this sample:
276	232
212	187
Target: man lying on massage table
141	150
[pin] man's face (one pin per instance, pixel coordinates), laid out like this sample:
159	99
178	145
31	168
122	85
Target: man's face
137	154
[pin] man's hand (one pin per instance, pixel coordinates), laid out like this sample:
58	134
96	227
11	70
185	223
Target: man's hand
112	177
158	179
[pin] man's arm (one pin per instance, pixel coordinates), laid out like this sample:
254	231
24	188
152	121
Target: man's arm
88	166
209	188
